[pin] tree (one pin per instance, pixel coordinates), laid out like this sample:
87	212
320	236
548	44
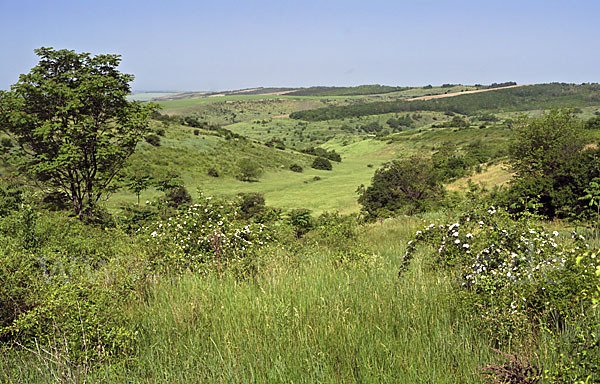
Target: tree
72	120
139	182
408	185
248	170
551	163
541	146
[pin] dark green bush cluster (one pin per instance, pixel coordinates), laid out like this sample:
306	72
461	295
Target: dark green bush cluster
322	163
296	168
320	152
553	166
403	186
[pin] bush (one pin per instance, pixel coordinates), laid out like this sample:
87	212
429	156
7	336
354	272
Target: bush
301	220
251	204
322	163
513	276
213	172
248	170
296	168
196	132
61	280
409	185
207	237
177	196
153	140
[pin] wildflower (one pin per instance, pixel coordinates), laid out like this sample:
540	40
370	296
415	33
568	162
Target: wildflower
469	235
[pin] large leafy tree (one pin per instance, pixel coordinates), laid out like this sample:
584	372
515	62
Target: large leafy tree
73	121
552	164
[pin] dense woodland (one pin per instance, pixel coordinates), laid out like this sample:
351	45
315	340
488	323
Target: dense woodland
361	239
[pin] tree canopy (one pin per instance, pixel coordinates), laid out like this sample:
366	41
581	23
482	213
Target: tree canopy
552	164
71	118
402	185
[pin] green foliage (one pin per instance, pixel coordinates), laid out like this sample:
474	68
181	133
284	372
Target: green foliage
409	186
207	236
138	182
320	152
213	172
322	163
248	170
552	167
251	204
346	91
593	123
301	220
153	140
178	196
63	285
512	276
512	99
339	235
71	117
296	168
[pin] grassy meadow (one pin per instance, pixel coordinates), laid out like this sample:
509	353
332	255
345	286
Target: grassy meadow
211	290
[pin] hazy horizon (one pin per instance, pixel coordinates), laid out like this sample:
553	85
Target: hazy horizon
214	46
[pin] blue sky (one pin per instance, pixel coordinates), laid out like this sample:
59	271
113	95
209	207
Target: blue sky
217	45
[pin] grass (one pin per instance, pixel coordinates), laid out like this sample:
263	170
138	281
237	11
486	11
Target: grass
303	319
496	174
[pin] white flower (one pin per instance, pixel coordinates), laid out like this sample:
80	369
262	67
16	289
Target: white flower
555	233
456	241
469	235
465	245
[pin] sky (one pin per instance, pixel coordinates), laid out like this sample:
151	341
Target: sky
184	45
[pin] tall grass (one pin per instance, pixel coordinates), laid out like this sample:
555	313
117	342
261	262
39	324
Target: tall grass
304	319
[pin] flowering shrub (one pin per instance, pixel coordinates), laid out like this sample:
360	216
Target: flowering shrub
513	274
207	235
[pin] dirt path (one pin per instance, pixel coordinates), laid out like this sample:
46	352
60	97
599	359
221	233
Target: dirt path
462	93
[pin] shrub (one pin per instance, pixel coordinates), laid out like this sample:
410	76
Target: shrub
213	172
61	280
160	132
153	140
196	132
301	220
177	196
251	204
513	276
296	168
207	236
248	170
322	163
404	185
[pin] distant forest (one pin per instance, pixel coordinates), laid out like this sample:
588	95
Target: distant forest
539	96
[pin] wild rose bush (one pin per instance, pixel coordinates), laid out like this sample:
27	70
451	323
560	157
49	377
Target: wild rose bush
513	275
208	235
